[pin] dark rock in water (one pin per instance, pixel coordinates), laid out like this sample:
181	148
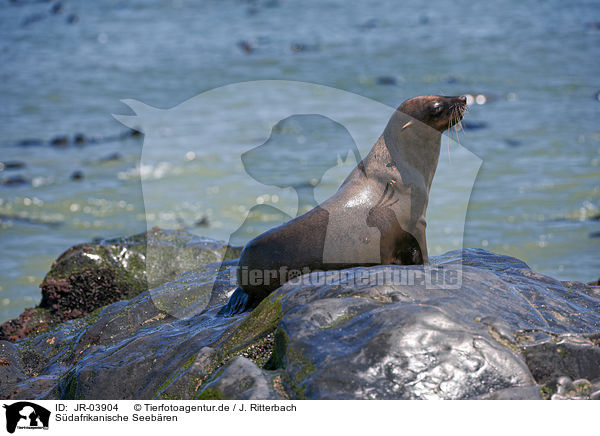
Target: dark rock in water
111	157
593	25
493	329
79	139
135	133
513	142
77	175
296	47
73	19
33	18
595	235
474	125
60	141
386	80
300	47
17	180
11	165
89	276
31	142
57	8
202	222
28	220
247	46
371	23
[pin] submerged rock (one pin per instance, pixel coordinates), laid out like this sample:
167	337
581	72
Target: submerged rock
17	180
474	125
11	165
494	330
60	141
386	80
77	175
30	142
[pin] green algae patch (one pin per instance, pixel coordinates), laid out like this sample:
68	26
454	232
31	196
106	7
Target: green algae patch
253	338
172	378
339	321
280	345
305	368
231	253
210	394
68	386
259	323
299	367
498	337
546	391
187	380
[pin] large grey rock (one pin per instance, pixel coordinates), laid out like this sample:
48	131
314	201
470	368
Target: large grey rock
505	333
353	339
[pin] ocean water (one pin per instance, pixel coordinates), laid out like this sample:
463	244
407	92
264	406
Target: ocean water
533	165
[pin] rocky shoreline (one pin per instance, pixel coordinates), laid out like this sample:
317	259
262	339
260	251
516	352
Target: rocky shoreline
114	325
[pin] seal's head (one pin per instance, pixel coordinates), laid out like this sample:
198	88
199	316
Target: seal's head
438	112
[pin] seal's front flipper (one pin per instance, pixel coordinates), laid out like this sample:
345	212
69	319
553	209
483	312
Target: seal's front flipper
239	302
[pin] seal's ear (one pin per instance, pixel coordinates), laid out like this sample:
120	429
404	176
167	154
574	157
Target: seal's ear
144	115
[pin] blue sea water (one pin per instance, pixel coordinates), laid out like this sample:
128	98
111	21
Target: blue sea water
536	195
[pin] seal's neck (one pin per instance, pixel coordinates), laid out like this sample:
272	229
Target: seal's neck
410	146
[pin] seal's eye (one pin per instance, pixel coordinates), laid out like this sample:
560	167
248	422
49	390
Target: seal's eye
436	108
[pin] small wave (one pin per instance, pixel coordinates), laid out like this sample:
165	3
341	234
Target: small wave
150	172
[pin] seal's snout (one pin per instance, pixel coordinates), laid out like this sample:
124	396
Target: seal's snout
462	103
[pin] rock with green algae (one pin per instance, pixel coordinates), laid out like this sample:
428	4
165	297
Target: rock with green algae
501	332
130	349
89	276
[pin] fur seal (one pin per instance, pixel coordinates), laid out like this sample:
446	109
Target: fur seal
376	217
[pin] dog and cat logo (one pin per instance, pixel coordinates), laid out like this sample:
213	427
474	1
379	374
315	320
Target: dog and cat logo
26	415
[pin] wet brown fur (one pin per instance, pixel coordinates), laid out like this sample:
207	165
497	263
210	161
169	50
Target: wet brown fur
393	183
